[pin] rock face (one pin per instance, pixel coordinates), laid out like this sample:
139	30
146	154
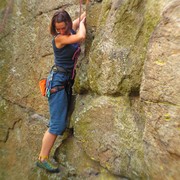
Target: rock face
160	93
125	115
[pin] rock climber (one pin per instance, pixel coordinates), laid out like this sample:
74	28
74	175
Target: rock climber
67	35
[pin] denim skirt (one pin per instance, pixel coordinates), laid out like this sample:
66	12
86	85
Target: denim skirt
58	105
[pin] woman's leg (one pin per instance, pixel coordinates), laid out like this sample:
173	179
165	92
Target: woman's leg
47	144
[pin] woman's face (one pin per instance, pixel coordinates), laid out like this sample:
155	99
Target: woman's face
61	28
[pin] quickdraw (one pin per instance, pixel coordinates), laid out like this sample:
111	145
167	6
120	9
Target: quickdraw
49	83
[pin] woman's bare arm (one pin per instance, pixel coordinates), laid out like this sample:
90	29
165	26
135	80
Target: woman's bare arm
76	21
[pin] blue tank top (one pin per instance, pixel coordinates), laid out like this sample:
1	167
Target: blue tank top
63	56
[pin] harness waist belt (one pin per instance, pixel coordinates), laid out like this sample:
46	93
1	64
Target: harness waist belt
56	89
60	69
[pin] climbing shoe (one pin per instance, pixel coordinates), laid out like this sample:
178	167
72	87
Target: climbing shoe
47	165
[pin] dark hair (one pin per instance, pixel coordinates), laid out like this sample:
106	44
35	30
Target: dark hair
60	16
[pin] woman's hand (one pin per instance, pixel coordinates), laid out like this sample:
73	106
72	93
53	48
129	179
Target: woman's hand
76	21
83	20
83	15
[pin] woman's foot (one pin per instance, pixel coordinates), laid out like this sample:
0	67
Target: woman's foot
47	165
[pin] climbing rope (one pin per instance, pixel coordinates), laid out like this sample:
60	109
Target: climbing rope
80	9
6	14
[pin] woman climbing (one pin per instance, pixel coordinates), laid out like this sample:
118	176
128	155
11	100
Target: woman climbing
66	48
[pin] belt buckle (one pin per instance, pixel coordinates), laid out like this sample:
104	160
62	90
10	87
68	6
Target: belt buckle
55	69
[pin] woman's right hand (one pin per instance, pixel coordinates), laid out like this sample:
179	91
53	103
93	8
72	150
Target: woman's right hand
83	20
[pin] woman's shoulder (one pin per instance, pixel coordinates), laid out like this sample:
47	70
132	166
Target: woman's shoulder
56	38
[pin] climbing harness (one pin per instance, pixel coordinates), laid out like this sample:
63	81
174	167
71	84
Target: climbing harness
49	89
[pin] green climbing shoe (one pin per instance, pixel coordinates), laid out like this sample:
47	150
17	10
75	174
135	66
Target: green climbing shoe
47	165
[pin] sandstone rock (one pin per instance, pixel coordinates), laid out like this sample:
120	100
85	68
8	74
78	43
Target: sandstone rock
161	140
161	70
19	140
121	32
80	166
109	134
131	128
160	92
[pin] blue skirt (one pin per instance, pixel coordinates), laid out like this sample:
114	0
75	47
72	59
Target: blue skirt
58	105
